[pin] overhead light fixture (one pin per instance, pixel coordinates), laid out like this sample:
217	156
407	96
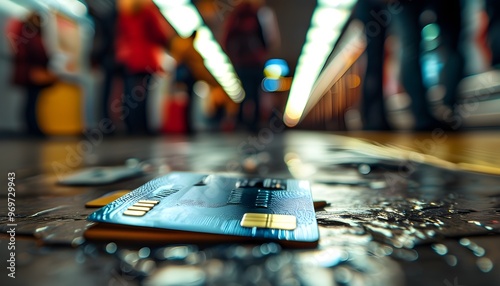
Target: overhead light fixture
327	21
13	8
185	19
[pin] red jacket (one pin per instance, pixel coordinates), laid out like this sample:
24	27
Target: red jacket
141	38
244	40
28	49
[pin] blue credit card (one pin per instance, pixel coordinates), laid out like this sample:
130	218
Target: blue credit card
261	209
100	176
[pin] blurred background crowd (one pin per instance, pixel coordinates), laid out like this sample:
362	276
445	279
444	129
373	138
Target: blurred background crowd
143	67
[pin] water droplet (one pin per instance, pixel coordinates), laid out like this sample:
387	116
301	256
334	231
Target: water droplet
397	244
80	257
274	264
377	185
420	235
144	252
475	222
472	246
131	258
132	162
409	244
451	260
406	254
126	268
146	266
479	251
89	249
215	267
111	248
343	275
256	252
177	252
440	249
364	169
485	264
77	241
464	242
240	252
254	274
177	275
383	250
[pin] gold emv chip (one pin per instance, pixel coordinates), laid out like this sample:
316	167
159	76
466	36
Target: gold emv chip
276	221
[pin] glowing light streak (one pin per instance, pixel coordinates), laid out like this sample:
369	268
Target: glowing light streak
185	19
326	24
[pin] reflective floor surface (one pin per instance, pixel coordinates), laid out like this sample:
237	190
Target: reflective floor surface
399	209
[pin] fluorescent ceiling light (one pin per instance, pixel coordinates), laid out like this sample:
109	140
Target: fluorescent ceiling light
349	50
13	8
326	24
185	19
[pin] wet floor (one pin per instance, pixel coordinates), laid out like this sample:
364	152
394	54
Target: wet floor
395	219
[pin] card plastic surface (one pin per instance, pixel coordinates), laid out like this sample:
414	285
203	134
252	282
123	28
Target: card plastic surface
245	209
100	176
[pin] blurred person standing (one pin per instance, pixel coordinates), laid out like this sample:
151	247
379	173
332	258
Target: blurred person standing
31	65
448	17
104	14
250	32
493	10
373	111
142	36
190	68
221	110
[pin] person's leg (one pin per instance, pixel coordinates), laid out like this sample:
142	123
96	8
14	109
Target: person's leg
190	81
108	70
134	95
184	75
493	10
127	102
246	85
449	16
251	79
373	112
144	81
257	75
32	94
411	74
